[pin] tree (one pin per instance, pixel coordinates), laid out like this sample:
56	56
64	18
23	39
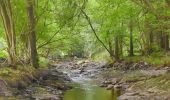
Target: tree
131	53
32	34
8	23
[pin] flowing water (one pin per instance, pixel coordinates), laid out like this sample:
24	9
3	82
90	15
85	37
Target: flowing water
88	89
90	92
84	88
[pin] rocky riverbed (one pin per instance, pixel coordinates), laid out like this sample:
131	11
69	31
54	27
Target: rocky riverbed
137	81
134	81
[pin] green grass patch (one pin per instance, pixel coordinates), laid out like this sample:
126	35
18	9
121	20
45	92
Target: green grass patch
44	62
157	84
154	60
3	53
15	77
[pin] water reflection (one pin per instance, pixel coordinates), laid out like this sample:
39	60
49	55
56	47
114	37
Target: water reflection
115	93
89	92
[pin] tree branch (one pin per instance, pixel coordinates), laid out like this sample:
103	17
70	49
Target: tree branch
89	21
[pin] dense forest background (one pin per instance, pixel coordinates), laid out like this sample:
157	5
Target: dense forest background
33	30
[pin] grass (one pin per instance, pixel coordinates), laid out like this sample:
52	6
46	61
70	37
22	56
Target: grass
43	62
23	74
160	84
153	60
15	77
156	59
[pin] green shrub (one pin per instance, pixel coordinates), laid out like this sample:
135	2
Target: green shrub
43	62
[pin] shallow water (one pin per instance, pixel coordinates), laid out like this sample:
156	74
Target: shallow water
88	90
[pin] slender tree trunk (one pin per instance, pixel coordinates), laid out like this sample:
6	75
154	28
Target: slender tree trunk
131	41
165	41
131	34
111	51
116	48
6	14
32	35
121	46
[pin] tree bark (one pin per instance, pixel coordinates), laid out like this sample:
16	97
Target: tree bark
165	41
116	48
32	35
131	53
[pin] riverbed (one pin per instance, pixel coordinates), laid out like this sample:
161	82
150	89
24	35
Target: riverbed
86	83
95	81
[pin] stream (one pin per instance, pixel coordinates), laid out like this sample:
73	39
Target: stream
88	90
86	85
84	80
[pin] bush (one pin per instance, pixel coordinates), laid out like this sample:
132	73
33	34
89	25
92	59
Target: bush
43	62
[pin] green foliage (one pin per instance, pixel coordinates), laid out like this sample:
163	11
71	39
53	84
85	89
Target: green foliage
62	29
3	52
44	62
20	76
154	60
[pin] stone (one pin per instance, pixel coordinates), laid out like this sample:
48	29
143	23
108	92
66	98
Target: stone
117	86
46	97
115	81
126	97
107	82
110	86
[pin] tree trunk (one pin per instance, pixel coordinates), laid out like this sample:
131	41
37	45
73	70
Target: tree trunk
6	14
111	50
116	48
165	41
131	34
131	40
32	35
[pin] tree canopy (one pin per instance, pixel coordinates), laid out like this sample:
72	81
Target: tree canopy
30	29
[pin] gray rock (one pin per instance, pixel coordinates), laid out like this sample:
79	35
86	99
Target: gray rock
110	86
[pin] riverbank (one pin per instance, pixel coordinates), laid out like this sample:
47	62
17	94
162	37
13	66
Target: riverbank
28	83
138	80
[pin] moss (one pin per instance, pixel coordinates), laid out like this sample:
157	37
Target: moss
19	77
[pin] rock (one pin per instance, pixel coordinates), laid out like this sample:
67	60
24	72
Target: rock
81	71
55	75
132	93
103	85
117	86
2	60
127	97
110	86
107	82
61	86
47	97
115	81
